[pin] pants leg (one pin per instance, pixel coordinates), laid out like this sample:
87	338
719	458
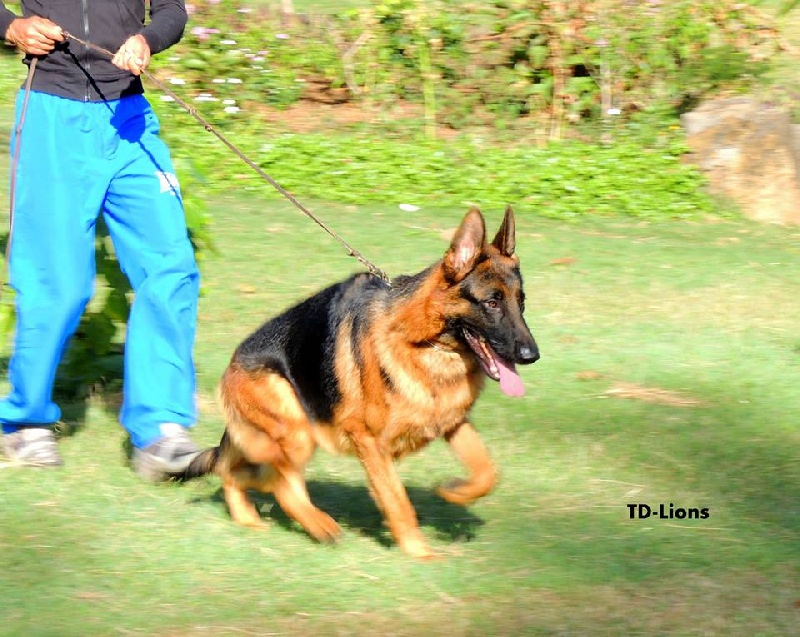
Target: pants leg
52	264
144	215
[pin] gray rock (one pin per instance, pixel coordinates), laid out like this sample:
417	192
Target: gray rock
750	153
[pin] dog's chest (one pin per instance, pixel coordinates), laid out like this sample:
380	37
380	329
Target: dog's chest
404	422
404	396
410	427
424	406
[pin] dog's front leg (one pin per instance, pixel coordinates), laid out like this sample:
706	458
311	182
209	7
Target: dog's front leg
391	497
469	449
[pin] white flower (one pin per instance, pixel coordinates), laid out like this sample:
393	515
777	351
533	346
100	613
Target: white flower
229	102
234	80
232	109
282	36
177	80
218	80
167	98
407	207
228	42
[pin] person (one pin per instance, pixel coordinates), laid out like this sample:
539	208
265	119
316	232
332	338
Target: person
89	144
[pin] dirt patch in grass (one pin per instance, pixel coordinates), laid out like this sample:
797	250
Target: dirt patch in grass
311	115
654	395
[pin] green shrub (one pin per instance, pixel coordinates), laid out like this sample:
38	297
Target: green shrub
640	176
478	62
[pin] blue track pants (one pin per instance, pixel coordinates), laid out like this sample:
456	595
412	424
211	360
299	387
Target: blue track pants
78	159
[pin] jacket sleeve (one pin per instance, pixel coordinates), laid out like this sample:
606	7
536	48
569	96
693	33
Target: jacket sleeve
6	18
167	22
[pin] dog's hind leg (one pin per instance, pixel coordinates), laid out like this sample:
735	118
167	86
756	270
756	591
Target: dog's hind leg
292	495
238	476
470	450
242	510
294	450
264	421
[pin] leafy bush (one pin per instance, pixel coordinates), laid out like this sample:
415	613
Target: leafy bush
481	62
637	176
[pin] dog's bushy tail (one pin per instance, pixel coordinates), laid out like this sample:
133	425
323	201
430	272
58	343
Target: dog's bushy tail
203	464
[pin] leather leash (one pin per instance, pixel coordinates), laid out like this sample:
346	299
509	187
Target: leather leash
351	251
12	189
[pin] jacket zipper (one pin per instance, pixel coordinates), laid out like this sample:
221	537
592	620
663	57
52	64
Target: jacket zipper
85	9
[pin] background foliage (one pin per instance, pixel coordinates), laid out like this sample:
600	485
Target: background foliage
483	62
566	108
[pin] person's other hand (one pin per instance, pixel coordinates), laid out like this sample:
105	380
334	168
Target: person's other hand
134	55
34	35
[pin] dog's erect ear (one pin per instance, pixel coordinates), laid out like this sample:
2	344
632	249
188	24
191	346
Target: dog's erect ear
505	240
466	246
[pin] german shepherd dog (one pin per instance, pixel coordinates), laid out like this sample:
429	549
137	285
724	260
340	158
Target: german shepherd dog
379	371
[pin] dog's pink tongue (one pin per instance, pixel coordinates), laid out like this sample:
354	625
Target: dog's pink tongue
510	382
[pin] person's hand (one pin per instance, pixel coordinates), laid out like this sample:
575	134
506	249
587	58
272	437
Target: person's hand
134	55
34	35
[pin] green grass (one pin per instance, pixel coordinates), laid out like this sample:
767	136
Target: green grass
706	310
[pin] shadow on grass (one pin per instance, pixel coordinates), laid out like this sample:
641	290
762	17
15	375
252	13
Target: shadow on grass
738	455
74	404
353	507
740	448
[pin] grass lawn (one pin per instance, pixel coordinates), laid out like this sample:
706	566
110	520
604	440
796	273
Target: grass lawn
705	313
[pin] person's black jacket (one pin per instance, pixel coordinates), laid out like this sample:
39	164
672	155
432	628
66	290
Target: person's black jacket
73	71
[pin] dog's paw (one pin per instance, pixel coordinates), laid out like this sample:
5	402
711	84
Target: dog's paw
324	528
256	524
458	491
417	547
248	516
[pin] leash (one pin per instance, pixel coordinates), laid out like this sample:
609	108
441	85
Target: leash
12	189
351	251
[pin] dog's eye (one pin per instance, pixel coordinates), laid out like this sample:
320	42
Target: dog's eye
493	302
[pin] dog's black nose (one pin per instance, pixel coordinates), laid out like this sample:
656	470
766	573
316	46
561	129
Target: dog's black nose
528	354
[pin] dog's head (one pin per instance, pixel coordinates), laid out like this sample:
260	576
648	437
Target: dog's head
486	314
